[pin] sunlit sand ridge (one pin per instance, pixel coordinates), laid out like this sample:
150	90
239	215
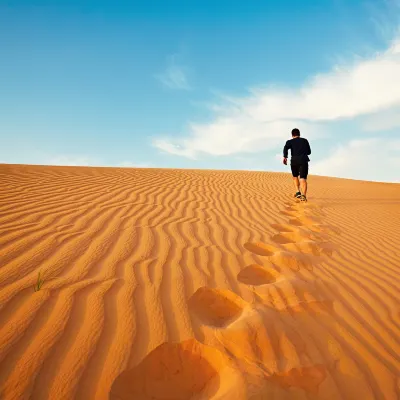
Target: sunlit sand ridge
182	284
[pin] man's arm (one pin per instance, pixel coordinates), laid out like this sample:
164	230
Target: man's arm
286	149
308	148
285	152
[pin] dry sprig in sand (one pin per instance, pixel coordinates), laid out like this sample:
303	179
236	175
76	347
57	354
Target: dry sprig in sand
39	283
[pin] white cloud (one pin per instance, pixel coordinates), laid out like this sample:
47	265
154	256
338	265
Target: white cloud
168	147
234	134
261	120
363	87
363	159
175	76
385	120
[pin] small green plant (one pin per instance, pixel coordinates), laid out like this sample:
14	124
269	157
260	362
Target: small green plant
39	283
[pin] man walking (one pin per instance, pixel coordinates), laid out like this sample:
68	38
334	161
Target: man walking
300	150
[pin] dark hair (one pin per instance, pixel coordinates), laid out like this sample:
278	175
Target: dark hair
295	132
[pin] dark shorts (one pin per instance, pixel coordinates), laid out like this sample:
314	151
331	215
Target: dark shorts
300	170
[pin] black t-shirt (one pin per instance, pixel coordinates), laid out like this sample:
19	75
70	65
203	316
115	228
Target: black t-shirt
300	150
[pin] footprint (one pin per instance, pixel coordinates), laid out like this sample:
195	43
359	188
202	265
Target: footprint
305	246
325	228
286	237
317	231
290	213
312	234
295	222
282	227
256	275
306	207
216	307
312	206
310	247
306	378
299	217
309	219
179	371
257	343
260	248
294	295
310	307
298	235
293	261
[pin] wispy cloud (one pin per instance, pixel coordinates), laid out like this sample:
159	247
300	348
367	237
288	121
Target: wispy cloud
362	159
263	118
175	76
385	17
232	134
382	121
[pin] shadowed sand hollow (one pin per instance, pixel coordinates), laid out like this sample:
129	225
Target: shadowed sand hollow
215	306
257	275
294	260
260	248
175	371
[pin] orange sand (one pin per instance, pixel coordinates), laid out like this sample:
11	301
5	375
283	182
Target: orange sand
181	284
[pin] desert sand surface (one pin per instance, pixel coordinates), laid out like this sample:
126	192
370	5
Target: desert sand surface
195	284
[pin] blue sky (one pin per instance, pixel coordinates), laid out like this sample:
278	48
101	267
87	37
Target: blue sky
201	84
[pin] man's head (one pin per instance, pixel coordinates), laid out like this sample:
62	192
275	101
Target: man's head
295	132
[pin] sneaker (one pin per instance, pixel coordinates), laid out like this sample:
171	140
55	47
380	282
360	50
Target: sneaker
303	198
298	195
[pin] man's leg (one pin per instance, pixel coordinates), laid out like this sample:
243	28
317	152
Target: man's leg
295	174
303	185
303	179
296	183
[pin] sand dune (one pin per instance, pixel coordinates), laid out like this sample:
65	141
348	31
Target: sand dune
181	284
